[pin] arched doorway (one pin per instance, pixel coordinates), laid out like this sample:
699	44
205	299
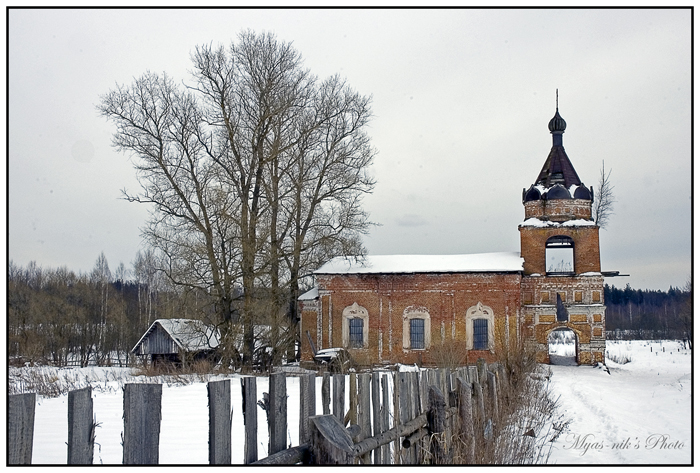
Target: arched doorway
563	347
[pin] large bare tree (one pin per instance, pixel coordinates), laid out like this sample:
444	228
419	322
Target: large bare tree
254	172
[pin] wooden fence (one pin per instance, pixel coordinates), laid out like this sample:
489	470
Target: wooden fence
414	422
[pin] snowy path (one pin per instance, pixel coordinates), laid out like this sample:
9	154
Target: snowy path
640	413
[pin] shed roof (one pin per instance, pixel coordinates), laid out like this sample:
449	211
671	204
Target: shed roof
397	264
188	334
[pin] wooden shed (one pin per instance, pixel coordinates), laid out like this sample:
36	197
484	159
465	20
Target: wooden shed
170	340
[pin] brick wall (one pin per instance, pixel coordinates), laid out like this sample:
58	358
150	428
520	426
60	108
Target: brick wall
586	247
446	297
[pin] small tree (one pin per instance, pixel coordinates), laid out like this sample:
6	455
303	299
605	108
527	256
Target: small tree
604	199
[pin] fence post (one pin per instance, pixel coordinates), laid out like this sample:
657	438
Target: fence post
219	393
479	400
416	408
339	397
436	425
352	409
466	418
473	374
20	428
493	392
307	406
142	414
376	422
331	444
363	412
326	393
250	419
278	413
405	411
384	419
81	427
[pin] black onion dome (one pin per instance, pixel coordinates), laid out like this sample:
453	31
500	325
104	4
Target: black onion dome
557	123
532	194
582	192
557	192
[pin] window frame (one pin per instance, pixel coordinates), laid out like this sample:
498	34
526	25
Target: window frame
480	311
352	312
411	313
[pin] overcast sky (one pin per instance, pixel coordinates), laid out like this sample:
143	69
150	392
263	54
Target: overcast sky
461	102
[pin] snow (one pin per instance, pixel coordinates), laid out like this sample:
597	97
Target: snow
309	295
536	222
640	413
392	264
637	414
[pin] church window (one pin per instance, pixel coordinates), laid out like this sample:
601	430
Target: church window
416	328
480	323
559	255
481	334
356	326
417	334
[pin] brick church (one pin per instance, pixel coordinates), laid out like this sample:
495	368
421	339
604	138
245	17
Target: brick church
412	308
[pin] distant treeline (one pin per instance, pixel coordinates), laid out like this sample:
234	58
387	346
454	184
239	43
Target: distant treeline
649	314
58	317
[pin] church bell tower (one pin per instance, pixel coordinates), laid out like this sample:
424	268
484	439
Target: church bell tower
562	284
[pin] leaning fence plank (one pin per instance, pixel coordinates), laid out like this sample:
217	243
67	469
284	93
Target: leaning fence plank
493	393
278	413
307	405
339	396
363	412
331	444
466	419
20	428
416	409
81	427
396	422
376	422
326	393
384	419
352	410
405	411
219	393
142	414
473	374
436	426
250	419
479	404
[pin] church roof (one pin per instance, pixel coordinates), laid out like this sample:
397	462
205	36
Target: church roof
408	264
558	169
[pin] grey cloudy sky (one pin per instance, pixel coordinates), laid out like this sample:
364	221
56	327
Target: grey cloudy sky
461	100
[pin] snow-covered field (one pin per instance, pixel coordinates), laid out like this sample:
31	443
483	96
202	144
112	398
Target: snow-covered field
638	413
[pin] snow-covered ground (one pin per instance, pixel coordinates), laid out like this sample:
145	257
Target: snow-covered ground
639	413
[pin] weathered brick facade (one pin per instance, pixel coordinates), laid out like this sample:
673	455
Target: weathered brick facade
480	308
391	299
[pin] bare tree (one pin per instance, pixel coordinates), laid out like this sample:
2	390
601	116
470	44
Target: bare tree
604	199
254	173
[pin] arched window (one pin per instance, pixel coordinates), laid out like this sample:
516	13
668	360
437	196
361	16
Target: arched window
416	328
480	328
559	255
355	328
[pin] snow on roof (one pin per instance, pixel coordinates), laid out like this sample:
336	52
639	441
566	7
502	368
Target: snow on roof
188	334
309	295
536	222
377	264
